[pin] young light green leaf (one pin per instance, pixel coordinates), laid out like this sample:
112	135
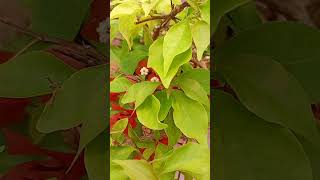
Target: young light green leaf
172	131
240	137
205	11
202	76
139	92
96	157
128	28
120	84
125	9
178	61
148	112
121	152
177	40
165	104
30	74
119	126
193	4
190	117
147	153
201	37
148	5
156	61
161	149
137	169
195	91
196	163
270	92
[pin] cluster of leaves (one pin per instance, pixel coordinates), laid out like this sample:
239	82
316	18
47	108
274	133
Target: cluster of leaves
53	103
265	81
158	98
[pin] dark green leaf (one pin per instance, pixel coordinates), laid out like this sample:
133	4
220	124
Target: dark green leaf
30	74
249	148
270	92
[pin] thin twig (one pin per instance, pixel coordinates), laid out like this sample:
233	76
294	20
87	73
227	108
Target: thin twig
86	55
34	41
151	19
170	16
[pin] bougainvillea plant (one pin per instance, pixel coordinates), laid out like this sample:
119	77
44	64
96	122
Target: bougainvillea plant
159	89
53	92
266	88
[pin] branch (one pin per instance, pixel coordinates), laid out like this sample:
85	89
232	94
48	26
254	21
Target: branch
169	17
87	55
151	19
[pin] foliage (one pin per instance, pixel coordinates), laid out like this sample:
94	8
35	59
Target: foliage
53	89
265	83
158	96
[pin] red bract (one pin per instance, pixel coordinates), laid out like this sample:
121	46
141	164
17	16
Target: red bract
5	56
141	64
16	144
164	140
99	13
114	96
12	110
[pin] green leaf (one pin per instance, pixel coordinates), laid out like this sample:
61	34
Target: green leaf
61	19
119	153
81	100
148	5
96	158
130	60
193	4
161	149
177	40
313	153
165	104
27	75
128	28
194	90
245	17
119	126
223	7
202	76
296	48
172	131
120	84
148	112
156	61
201	37
270	92
125	9
139	92
190	117
185	159
147	153
205	11
137	169
249	148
